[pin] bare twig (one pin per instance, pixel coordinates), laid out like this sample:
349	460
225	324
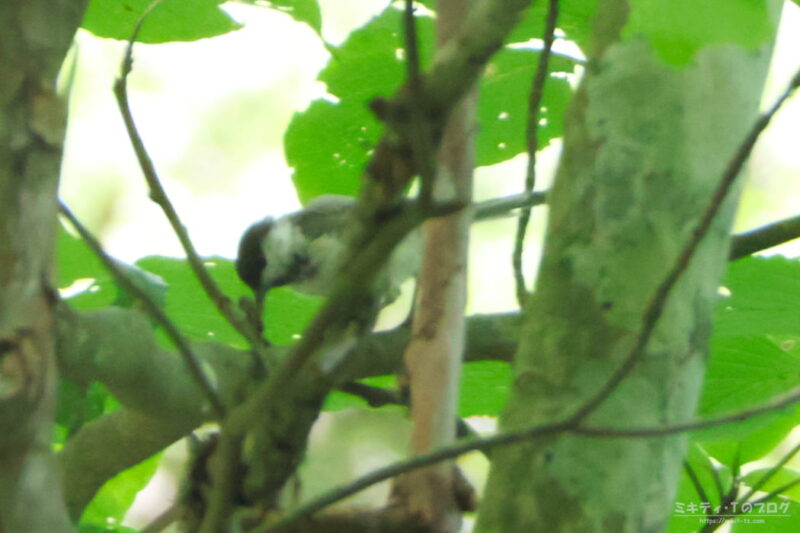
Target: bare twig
758	239
159	196
420	140
153	310
742	244
755	487
572	423
514	437
738	510
658	302
698	487
501	206
534	104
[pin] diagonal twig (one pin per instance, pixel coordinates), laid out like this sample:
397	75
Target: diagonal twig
420	140
159	196
515	437
191	360
658	302
764	237
572	423
769	474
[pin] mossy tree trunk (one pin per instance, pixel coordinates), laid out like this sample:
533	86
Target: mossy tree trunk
647	140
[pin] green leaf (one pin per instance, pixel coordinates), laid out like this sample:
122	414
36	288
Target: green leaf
152	285
114	499
763	298
754	356
328	145
287	313
574	19
371	61
781	478
484	388
503	104
187	303
306	11
678	29
745	372
172	20
77	262
78	405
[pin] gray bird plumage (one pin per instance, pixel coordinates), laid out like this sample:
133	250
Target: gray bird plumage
304	249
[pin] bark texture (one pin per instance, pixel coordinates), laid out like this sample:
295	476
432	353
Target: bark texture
646	144
35	37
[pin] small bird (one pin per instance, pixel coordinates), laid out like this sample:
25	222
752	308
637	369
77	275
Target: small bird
305	249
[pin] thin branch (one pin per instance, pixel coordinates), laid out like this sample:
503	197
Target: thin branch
777	492
657	304
764	237
411	42
497	207
771	473
514	437
739	510
420	140
742	244
159	196
191	360
534	105
374	396
379	397
698	487
722	494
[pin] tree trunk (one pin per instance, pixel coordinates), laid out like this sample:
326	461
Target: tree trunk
35	38
646	143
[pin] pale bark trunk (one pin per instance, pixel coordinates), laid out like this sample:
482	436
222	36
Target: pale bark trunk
34	39
646	143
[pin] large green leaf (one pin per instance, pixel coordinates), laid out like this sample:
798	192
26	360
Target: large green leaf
678	29
287	313
755	357
503	104
186	302
371	62
745	372
764	293
172	20
328	144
